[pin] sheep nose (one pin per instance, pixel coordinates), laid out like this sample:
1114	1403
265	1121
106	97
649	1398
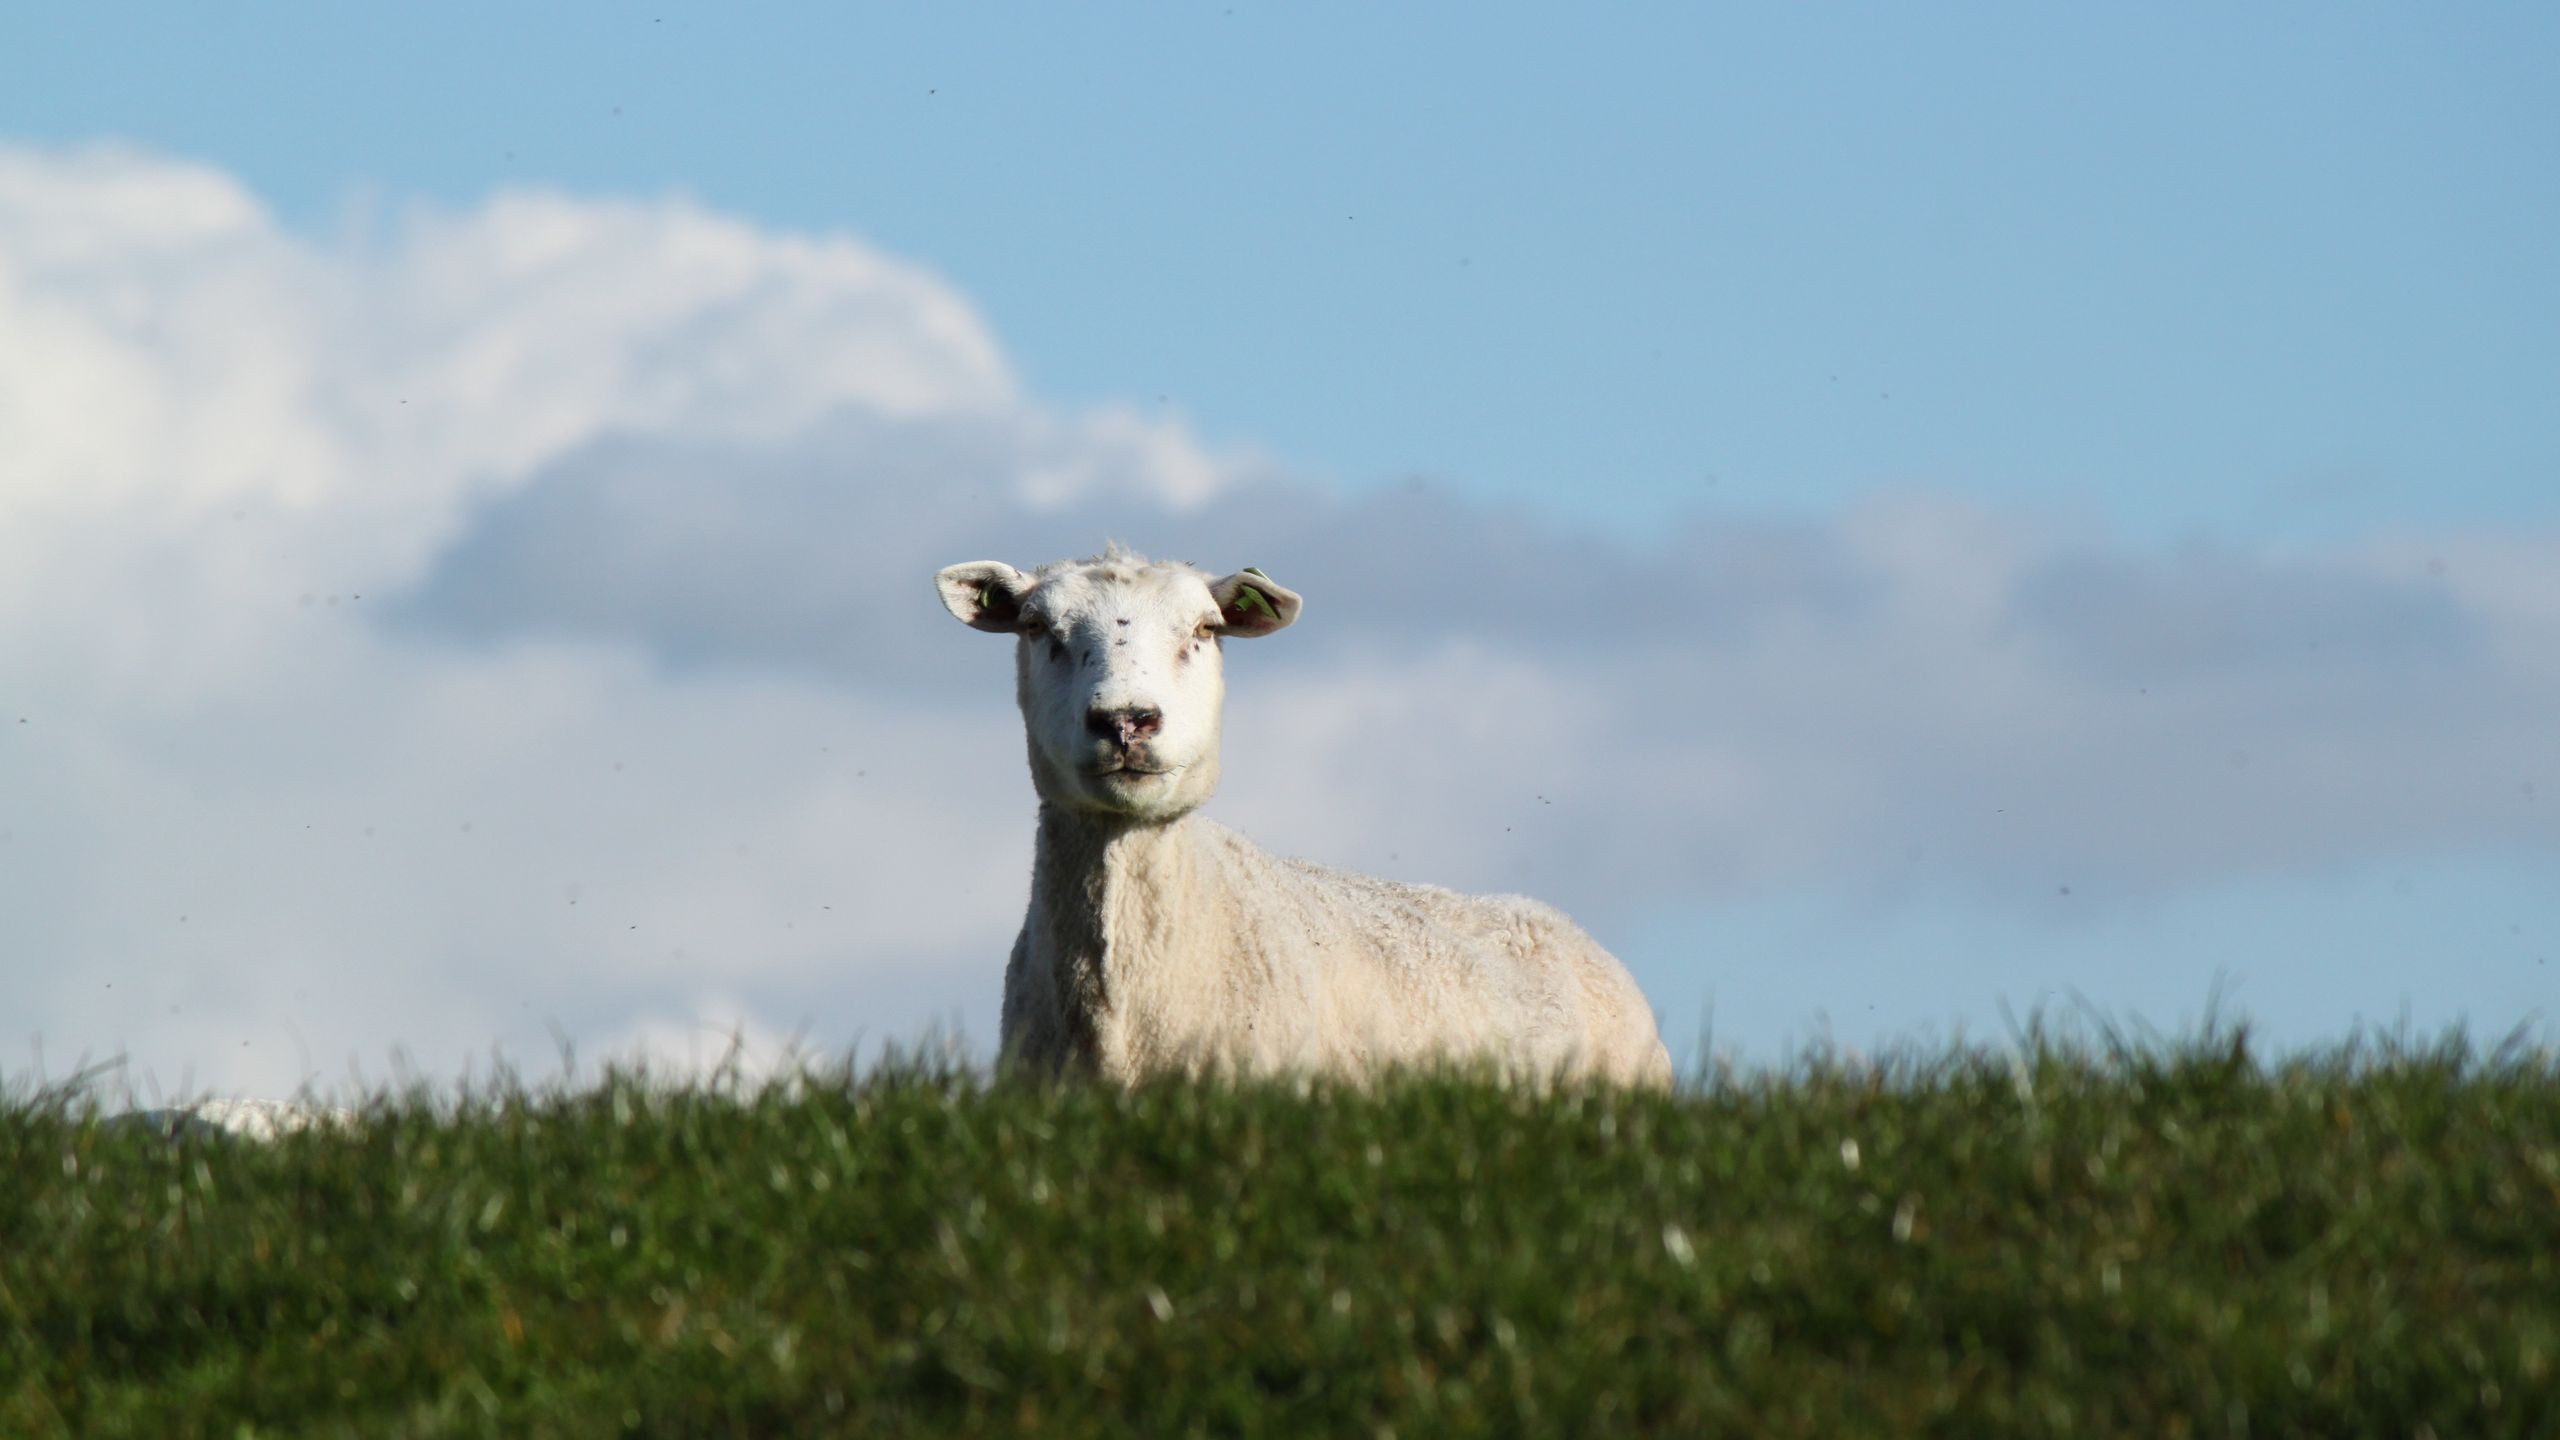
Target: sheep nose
1127	726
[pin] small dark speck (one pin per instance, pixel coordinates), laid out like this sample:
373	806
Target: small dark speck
2435	565
858	774
2064	892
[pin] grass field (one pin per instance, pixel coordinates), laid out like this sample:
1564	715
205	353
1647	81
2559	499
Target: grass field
2034	1239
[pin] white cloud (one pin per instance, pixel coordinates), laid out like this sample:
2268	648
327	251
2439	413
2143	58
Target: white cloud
173	347
519	619
254	835
1918	691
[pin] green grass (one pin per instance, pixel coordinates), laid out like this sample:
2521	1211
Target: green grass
2043	1239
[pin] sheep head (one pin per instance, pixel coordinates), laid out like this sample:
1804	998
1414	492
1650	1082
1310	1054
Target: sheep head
1119	670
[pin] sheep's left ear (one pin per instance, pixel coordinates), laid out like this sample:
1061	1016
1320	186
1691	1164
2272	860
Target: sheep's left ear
1251	604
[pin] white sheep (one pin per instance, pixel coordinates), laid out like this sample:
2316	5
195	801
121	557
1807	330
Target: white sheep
1157	940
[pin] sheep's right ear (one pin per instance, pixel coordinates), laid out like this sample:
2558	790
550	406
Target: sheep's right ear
984	594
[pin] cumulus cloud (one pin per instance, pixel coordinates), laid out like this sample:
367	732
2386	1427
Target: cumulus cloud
255	828
1741	703
515	621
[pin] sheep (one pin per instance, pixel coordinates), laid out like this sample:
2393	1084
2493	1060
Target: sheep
1158	941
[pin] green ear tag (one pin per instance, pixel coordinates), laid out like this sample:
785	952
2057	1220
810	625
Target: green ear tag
1249	570
986	597
1249	600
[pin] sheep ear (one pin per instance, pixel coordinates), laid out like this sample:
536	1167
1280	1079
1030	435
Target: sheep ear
984	594
1250	603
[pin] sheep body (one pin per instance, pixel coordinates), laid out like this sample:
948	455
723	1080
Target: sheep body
1206	951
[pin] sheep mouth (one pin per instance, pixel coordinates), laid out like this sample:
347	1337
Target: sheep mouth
1125	771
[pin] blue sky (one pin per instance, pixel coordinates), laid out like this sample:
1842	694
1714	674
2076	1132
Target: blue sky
2084	482
2278	272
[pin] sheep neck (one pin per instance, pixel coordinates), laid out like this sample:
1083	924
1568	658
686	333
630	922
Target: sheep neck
1102	893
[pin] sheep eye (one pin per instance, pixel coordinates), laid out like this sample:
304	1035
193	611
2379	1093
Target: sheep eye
1208	630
